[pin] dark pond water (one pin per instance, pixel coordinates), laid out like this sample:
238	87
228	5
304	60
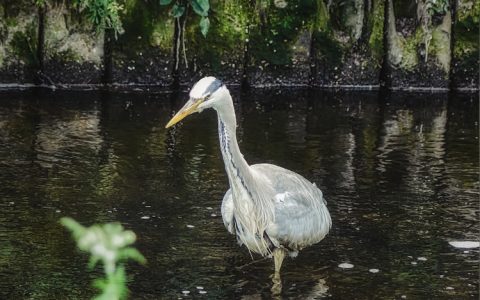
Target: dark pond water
400	173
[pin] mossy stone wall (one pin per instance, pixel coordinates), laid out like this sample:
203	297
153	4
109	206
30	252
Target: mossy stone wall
262	42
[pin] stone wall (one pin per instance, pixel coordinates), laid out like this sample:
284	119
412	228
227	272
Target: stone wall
278	42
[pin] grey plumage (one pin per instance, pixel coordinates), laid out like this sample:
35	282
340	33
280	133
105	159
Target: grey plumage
300	218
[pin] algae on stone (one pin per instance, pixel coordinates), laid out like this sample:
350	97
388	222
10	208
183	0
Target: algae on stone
468	21
354	14
223	47
440	45
71	39
274	45
395	43
18	38
375	40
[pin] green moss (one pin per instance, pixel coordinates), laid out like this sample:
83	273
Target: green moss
137	23
465	45
3	33
146	24
162	34
466	31
273	43
321	18
23	45
438	51
225	40
68	55
11	22
440	45
410	50
329	49
468	11
376	37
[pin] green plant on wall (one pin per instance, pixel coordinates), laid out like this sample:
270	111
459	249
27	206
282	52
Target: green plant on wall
110	245
200	7
103	14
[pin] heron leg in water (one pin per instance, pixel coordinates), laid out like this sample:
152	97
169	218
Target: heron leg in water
278	256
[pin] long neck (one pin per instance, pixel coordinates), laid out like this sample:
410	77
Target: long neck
253	206
238	170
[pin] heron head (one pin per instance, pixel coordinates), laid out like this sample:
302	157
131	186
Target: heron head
206	93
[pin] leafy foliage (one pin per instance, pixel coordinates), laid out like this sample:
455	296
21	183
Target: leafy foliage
200	7
109	244
103	14
436	6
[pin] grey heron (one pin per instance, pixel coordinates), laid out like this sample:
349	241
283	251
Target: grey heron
271	210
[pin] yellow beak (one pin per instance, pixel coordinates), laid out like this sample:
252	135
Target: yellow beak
189	108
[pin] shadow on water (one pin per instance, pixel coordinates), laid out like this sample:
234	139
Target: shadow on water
399	172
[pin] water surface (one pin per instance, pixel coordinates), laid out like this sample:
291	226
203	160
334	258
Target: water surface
399	171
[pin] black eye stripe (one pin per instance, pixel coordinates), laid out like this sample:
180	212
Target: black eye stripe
213	87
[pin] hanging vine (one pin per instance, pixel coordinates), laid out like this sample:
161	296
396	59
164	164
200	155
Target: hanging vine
179	11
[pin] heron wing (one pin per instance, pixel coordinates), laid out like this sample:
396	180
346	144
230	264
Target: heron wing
301	215
227	212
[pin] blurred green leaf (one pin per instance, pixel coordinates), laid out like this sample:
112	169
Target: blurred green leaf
114	287
107	243
177	10
132	253
201	7
92	262
75	227
40	3
165	2
204	25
